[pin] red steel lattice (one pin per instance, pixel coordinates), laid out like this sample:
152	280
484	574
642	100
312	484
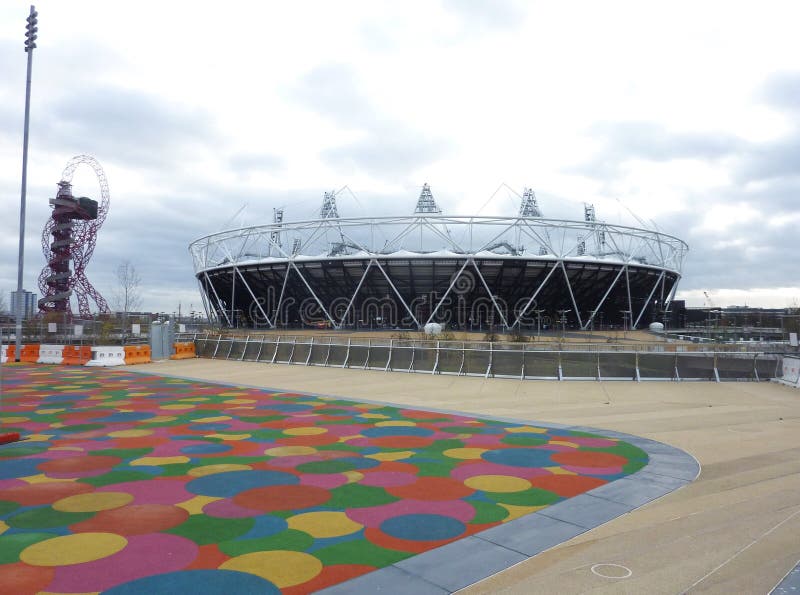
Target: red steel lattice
69	238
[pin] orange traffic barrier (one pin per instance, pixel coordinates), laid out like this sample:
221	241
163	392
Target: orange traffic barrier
77	355
130	354
183	351
29	353
137	354
145	355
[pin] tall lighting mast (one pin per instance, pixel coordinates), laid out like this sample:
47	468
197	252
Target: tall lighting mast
30	44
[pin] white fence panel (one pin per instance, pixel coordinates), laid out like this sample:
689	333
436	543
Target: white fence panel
107	355
50	354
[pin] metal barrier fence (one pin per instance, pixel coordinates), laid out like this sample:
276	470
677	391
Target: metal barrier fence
503	360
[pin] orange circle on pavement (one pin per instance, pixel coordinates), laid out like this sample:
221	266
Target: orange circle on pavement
135	519
432	488
381	539
566	485
22	578
284	497
582	458
44	493
79	464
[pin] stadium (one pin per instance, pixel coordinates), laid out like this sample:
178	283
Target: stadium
523	272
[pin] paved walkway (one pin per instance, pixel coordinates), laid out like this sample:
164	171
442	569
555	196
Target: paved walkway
733	530
123	475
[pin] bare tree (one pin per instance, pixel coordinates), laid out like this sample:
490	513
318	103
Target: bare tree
128	296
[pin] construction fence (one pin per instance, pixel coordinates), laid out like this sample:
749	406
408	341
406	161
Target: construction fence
87	332
489	359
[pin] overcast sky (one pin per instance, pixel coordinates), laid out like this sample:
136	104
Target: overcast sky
684	113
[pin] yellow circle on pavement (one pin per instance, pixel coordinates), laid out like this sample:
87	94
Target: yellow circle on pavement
72	549
324	524
130	433
92	502
464	453
280	567
219	468
305	431
498	483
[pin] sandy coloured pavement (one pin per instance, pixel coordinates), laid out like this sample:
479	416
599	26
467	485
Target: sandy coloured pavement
734	530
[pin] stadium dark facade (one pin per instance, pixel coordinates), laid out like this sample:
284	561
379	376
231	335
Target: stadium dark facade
467	273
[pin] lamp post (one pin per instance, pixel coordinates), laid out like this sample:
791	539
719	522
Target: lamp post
563	319
625	315
30	44
538	322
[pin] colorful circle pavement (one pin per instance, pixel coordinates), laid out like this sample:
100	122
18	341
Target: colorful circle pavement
130	483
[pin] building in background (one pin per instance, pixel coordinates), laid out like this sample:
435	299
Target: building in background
27	300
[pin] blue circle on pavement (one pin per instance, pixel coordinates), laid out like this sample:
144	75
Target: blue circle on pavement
423	527
231	483
201	449
19	468
519	457
208	582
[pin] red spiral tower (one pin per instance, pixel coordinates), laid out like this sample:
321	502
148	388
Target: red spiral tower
68	241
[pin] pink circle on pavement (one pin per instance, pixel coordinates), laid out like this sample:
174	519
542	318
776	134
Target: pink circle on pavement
152	491
387	479
327	481
239	425
359	442
228	509
485	440
144	555
12	483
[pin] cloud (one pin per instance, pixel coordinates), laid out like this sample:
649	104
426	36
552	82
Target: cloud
181	161
126	125
386	150
776	159
625	141
385	147
740	229
247	163
782	90
482	15
768	161
333	91
745	250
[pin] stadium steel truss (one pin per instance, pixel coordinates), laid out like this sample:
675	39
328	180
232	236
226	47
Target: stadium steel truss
467	272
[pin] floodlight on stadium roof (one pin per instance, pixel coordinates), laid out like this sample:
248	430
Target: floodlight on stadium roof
503	272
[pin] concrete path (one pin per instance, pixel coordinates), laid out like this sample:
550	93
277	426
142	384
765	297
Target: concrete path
733	530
